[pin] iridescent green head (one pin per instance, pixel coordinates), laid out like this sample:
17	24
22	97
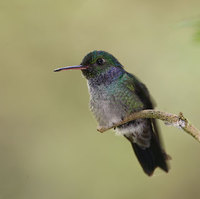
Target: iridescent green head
98	62
95	63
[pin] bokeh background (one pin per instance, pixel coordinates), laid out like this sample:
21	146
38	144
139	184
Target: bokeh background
49	146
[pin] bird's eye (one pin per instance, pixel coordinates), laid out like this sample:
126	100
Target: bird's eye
100	61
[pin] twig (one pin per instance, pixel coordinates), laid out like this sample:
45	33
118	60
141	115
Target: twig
176	120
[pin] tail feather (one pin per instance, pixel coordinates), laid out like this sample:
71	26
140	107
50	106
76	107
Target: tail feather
151	157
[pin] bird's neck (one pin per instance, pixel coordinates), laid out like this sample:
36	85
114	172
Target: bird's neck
106	77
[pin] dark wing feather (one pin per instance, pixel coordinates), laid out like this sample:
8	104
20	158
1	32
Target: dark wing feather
142	92
153	156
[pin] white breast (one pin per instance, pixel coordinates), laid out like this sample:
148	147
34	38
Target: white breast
103	107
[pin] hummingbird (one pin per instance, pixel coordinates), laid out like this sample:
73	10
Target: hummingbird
114	95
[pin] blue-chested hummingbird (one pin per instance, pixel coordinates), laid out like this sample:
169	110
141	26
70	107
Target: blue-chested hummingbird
115	94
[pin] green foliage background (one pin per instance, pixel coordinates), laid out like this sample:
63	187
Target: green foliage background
49	144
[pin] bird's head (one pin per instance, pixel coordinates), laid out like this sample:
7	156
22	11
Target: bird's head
95	63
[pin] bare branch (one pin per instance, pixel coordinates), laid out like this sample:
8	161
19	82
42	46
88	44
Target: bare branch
171	119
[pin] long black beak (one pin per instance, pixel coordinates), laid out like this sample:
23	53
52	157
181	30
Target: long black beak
78	67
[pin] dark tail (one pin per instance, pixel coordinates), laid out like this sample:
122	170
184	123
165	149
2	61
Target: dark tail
151	157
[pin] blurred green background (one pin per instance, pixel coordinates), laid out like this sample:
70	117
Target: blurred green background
49	144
